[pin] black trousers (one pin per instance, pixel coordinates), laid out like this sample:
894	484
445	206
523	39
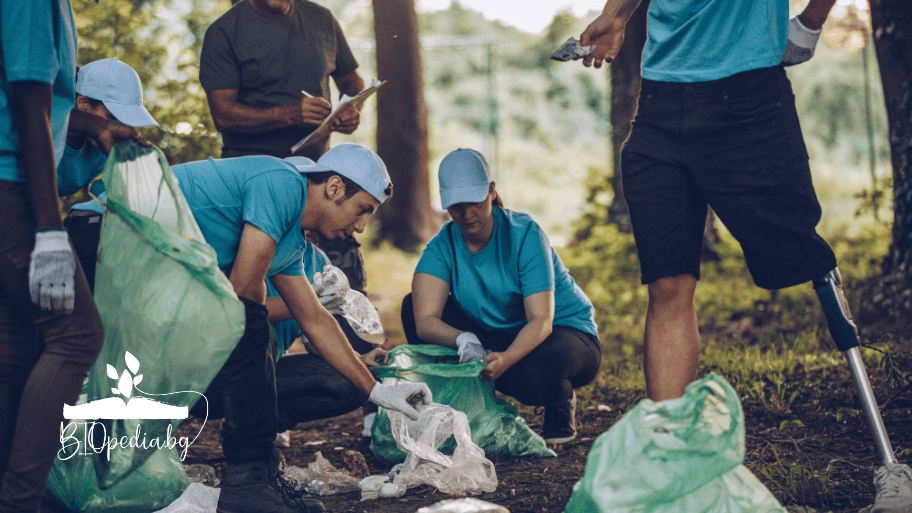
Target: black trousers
569	358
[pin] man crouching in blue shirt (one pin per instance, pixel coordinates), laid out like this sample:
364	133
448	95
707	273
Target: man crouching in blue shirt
253	211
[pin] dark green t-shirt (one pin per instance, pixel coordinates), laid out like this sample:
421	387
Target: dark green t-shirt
269	60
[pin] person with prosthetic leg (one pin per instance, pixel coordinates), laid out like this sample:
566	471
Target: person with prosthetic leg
716	125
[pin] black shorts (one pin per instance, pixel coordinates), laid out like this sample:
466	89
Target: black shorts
736	145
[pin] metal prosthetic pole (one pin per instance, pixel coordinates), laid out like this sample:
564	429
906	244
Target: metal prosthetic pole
845	335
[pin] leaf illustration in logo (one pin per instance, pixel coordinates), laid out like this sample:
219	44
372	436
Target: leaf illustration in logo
137	380
132	362
112	372
126	384
116	391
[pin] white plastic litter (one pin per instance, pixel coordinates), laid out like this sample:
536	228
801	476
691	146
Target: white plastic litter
356	308
319	478
202	474
465	505
467	471
197	498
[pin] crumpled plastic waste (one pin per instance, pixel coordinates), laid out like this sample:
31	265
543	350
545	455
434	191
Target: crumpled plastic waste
197	498
202	474
467	471
319	478
464	505
571	51
356	308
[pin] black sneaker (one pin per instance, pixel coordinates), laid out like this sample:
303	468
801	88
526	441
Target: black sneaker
276	464
246	489
560	422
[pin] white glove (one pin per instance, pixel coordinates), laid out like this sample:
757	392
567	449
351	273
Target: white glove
801	43
406	398
52	271
331	286
331	281
469	347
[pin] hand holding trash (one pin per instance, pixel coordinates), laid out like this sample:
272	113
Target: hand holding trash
52	270
469	347
406	398
331	286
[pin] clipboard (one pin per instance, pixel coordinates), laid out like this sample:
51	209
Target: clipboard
324	129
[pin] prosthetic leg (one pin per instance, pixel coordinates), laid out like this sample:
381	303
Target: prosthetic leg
845	335
892	481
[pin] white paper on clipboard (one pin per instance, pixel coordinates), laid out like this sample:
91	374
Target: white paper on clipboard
324	129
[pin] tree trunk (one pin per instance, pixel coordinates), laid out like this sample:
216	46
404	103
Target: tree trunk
892	24
402	143
625	91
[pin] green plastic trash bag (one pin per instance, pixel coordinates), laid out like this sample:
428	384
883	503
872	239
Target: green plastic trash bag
150	487
496	425
171	319
678	456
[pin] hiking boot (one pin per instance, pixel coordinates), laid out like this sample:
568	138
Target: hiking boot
560	422
246	489
893	485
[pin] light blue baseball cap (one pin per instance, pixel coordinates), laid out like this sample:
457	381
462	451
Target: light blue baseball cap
302	163
358	164
118	87
464	177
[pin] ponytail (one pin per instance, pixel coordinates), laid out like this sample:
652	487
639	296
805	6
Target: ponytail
497	202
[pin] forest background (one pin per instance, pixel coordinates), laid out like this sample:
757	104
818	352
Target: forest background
544	127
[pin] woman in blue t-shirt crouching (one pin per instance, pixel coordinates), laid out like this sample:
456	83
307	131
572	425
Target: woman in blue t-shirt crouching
489	280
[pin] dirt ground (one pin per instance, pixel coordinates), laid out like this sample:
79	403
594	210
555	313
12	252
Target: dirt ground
845	448
826	464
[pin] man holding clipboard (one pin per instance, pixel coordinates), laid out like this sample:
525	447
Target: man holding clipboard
256	60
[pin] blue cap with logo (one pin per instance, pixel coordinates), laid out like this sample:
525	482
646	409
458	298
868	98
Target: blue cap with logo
118	87
358	164
464	177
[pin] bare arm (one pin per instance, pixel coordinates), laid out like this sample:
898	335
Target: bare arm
322	330
106	133
429	295
232	116
540	314
31	109
350	118
607	31
255	253
816	13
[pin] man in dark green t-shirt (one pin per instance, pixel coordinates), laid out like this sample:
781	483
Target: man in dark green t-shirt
257	61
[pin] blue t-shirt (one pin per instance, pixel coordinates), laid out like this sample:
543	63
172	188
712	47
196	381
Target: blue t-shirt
77	169
489	286
288	330
37	43
702	40
266	192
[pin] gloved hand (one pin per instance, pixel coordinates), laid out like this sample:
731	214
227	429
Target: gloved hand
406	398
469	347
801	43
52	271
331	286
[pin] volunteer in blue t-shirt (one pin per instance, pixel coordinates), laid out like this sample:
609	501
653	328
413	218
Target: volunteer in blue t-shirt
489	280
716	125
112	91
307	386
50	330
253	212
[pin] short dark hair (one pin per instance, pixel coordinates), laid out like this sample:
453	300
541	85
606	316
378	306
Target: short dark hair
351	188
92	101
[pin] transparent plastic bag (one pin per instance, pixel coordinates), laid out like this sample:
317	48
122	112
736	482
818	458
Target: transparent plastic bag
319	478
467	471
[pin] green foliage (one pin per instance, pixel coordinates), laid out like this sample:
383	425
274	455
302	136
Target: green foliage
792	482
161	41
